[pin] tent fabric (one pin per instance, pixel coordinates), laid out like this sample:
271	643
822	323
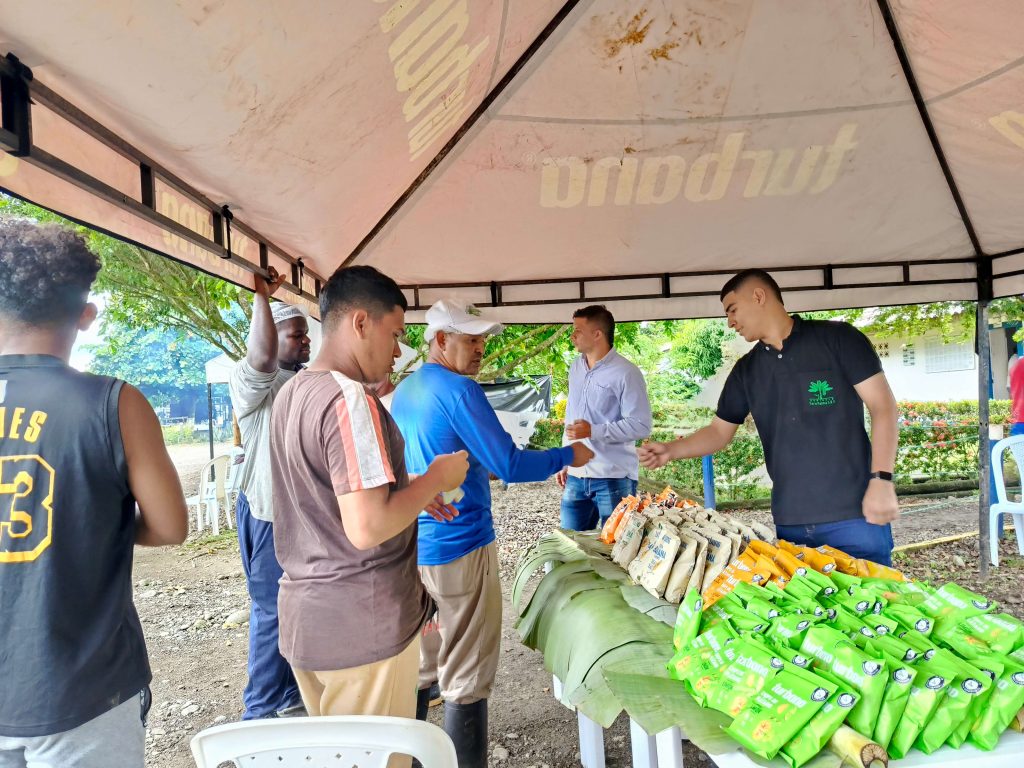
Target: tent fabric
631	153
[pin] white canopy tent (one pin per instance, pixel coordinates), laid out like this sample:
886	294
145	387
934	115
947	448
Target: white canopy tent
534	155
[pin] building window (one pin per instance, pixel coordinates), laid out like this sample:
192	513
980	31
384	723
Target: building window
942	358
909	358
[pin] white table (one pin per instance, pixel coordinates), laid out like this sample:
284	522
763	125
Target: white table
665	750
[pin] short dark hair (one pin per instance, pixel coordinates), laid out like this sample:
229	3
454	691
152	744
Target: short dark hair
601	317
46	271
360	287
740	278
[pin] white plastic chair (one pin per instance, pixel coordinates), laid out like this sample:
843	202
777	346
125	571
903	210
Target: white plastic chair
233	484
351	741
207	502
1003	506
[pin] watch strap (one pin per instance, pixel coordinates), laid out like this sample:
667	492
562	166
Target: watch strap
881	474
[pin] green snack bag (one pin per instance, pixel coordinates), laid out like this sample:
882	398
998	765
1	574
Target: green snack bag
751	668
815	735
712	640
794	657
978	684
1001	632
952	599
763	608
954	706
928	689
896	647
801	588
1006	700
859	601
779	711
834	652
824	584
733	612
746	592
894	700
910	619
882	623
846	621
687	619
791	628
844	581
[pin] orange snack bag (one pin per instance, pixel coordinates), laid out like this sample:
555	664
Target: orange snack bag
868	569
793	549
633	504
820	562
763	548
612	523
787	561
844	562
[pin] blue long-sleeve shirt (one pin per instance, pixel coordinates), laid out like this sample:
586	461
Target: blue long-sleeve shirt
441	412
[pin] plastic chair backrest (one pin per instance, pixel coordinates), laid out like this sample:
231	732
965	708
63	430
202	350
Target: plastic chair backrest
356	741
1015	445
213	489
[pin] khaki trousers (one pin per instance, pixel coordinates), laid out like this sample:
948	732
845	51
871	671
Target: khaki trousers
462	656
386	687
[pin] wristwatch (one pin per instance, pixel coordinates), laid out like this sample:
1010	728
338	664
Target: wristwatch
881	475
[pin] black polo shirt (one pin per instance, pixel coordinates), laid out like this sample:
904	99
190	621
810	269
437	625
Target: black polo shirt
809	417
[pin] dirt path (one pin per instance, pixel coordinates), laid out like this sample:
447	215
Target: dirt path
186	594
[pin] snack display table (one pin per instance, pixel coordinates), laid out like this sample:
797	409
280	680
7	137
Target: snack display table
665	750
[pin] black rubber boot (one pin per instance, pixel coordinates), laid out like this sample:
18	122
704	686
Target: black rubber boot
422	703
466	725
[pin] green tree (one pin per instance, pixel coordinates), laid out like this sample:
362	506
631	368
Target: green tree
163	364
151	292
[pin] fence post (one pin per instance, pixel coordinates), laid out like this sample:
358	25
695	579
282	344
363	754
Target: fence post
708	466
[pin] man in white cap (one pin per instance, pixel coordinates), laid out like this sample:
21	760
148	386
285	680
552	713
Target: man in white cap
278	347
440	409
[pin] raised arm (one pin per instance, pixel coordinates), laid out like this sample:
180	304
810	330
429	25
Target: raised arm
261	346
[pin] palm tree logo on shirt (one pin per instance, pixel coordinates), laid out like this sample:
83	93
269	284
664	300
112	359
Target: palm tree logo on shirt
819	392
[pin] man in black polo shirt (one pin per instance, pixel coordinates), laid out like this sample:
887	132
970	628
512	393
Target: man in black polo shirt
806	383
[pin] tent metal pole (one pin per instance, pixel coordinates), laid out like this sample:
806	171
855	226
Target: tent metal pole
984	456
209	414
470	121
926	120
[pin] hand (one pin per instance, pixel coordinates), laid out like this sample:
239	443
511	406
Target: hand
443	513
561	476
880	505
580	455
654	455
450	469
266	288
578	430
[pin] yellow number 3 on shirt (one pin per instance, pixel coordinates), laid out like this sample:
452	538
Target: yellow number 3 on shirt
26	508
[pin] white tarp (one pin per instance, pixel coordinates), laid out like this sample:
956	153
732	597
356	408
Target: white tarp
640	142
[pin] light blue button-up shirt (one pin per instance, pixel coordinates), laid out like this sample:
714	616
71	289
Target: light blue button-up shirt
612	396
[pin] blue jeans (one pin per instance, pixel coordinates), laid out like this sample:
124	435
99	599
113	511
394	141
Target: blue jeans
588	501
271	686
857	538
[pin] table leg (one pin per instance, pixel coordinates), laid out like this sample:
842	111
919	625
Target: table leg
645	750
591	742
670	748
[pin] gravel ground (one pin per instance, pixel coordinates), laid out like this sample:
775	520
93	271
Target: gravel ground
193	605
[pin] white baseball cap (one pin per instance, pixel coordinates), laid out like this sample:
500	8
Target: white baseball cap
455	317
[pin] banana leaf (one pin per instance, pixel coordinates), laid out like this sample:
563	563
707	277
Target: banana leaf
552	547
641	600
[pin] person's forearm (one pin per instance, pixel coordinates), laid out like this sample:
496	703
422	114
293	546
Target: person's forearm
400	511
703	442
627	430
146	536
261	346
884	440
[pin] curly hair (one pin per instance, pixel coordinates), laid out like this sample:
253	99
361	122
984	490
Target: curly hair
46	271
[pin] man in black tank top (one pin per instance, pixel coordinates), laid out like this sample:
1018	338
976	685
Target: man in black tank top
77	452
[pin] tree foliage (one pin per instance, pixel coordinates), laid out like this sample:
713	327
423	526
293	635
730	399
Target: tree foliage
151	292
165	365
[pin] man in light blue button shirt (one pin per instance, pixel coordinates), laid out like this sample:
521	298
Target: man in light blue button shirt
608	409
